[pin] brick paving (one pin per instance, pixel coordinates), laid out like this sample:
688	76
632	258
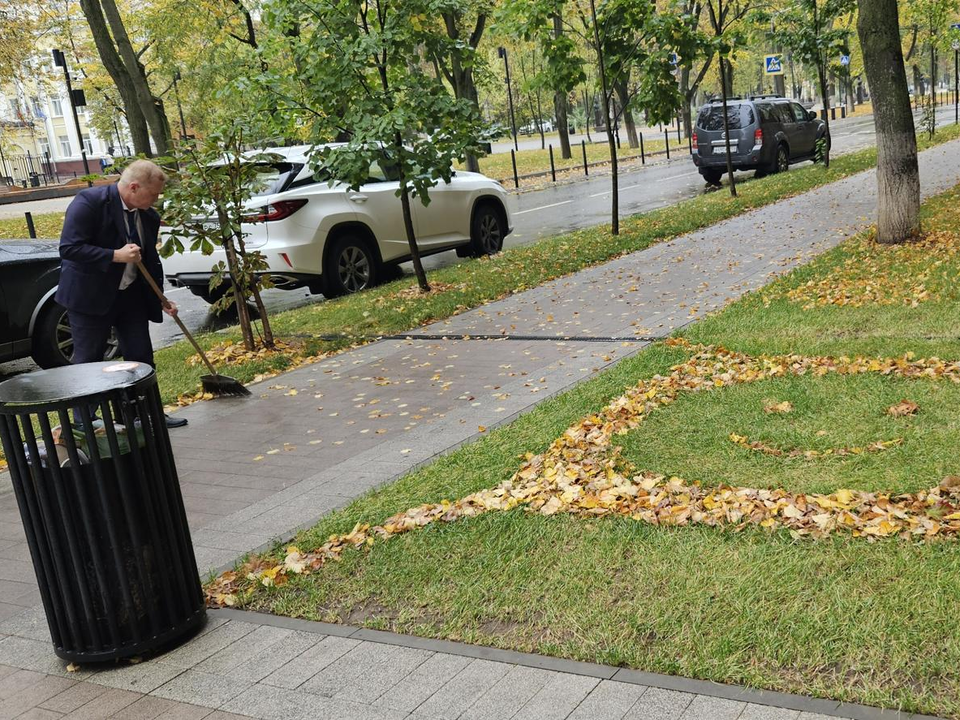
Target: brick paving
313	439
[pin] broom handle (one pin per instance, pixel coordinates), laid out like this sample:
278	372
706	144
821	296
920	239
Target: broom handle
166	303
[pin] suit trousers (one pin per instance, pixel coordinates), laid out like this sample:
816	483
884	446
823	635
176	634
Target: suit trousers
128	315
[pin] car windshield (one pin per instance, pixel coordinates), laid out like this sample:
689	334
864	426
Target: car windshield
711	117
273	177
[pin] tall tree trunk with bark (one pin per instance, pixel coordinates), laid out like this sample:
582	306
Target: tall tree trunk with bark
607	96
139	133
159	127
560	103
460	76
898	174
623	94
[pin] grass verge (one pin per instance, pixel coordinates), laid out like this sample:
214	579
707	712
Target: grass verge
869	622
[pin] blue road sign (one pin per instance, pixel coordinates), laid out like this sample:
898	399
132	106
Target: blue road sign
844	59
773	65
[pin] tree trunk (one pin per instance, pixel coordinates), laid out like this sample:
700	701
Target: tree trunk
408	219
560	103
825	97
139	133
726	127
628	120
898	174
611	143
461	76
159	128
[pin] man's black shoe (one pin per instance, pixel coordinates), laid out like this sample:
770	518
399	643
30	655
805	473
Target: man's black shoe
175	422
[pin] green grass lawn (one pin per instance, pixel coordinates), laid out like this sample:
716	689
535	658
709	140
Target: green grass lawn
869	622
500	165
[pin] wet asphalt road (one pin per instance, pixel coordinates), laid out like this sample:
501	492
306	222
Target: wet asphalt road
536	214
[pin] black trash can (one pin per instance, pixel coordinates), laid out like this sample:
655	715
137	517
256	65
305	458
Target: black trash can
101	509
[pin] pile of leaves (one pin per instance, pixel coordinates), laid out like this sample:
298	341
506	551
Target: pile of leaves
809	454
582	473
874	274
235	353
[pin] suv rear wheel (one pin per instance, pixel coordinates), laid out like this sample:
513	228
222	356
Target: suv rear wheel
351	267
712	176
53	339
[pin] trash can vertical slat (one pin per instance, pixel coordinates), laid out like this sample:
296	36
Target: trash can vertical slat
127	485
39	548
152	489
116	542
154	408
71	535
90	529
50	527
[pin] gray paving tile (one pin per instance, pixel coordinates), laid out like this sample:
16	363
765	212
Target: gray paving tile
561	695
184	711
765	712
38	713
24	690
143	677
108	703
273	703
247	648
456	696
312	661
366	672
39	657
29	623
73	697
609	701
275	656
198	688
203	646
703	707
410	692
660	704
146	708
509	695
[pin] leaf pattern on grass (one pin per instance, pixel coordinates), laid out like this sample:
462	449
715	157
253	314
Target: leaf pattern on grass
767	449
581	473
874	274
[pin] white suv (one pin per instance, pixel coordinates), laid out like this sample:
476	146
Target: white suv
334	240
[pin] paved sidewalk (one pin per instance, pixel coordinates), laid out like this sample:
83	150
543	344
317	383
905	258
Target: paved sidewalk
257	469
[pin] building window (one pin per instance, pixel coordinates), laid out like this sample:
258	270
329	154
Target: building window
15	109
87	145
37	108
44	147
65	145
57	107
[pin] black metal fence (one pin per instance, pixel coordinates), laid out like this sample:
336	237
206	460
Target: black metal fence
28	170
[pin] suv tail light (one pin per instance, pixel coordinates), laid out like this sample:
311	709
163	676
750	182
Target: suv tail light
694	139
758	137
276	211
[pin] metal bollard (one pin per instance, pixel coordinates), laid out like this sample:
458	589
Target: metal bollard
643	157
666	137
31	230
583	147
553	168
516	178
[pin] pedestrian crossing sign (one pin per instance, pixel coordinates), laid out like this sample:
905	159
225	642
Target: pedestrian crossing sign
773	65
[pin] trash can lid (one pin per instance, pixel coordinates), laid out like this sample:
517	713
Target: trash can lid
71	381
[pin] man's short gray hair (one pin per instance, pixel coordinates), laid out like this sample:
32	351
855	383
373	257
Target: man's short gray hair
143	172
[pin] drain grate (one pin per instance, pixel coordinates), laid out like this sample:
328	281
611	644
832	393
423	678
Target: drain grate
481	336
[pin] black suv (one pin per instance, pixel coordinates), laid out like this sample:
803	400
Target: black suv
31	322
767	134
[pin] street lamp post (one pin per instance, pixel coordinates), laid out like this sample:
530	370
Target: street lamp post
176	92
60	61
502	52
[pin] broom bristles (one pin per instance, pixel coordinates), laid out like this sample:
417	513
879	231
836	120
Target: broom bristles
221	385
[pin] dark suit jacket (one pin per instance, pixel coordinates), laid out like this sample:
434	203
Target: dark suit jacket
92	229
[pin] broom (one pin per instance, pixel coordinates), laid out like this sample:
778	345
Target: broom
215	383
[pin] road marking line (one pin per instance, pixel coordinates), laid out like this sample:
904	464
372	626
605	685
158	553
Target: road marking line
544	207
631	187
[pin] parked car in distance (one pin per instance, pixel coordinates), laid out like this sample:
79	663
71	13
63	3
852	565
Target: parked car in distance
767	134
32	324
334	240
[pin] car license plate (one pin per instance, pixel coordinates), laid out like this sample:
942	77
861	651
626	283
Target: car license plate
722	149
